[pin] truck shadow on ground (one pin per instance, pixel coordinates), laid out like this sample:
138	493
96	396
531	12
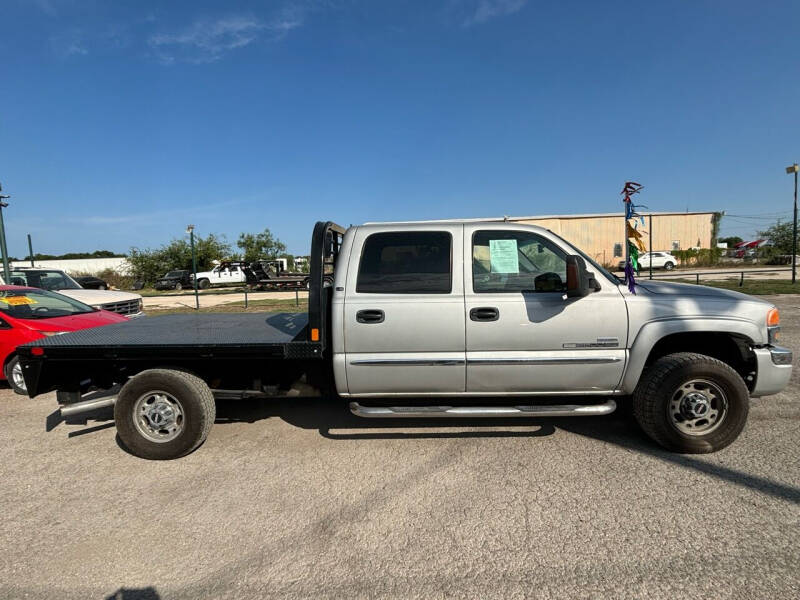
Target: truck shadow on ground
328	415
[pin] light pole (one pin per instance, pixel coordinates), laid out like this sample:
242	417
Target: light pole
190	231
794	169
3	248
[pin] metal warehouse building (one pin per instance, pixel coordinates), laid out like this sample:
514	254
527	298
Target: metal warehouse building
601	235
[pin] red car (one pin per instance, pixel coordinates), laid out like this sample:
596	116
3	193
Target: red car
28	314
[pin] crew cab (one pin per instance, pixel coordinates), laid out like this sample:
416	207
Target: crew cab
438	319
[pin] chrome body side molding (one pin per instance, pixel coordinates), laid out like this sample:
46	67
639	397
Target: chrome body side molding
407	362
555	360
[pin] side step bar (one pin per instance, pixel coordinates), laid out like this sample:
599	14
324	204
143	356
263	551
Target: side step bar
558	410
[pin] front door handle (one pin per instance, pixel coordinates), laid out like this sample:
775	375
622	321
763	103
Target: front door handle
370	316
484	313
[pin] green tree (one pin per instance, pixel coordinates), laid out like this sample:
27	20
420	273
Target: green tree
731	240
780	236
149	264
264	245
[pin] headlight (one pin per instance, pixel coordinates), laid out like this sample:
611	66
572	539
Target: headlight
141	305
52	333
773	325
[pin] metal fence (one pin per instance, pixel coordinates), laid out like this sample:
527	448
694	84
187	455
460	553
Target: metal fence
741	273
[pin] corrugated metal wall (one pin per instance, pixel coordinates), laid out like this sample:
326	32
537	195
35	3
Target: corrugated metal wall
596	235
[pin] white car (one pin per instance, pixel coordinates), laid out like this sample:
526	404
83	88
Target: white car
661	260
55	280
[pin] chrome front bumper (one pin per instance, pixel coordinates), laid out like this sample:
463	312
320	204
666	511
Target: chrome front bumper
773	370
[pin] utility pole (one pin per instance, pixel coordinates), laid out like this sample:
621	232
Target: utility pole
190	231
794	169
30	249
3	248
650	241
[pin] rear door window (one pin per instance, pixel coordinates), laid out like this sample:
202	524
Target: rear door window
406	262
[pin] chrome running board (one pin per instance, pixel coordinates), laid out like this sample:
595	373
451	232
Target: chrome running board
558	410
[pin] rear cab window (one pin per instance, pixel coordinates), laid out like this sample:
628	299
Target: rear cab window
406	262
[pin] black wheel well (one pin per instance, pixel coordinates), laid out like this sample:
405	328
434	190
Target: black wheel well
8	360
733	350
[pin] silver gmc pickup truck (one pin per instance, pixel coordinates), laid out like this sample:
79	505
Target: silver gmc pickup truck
439	319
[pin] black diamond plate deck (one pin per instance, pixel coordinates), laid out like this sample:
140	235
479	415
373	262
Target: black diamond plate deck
189	330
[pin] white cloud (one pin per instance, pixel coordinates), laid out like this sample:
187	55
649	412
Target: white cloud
70	43
207	41
489	9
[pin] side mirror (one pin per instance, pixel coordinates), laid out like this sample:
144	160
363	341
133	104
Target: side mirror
579	282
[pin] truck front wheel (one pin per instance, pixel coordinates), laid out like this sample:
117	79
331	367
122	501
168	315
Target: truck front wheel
691	403
162	414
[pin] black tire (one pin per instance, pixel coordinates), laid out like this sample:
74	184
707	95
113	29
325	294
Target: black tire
668	266
204	284
102	287
10	366
307	283
178	287
659	385
196	402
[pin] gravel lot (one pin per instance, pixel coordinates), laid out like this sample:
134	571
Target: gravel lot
298	499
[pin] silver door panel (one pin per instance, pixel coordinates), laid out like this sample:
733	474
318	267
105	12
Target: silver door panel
433	372
597	371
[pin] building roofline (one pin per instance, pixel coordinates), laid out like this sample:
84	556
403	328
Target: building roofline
541	217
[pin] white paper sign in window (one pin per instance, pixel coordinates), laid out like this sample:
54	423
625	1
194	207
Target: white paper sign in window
503	256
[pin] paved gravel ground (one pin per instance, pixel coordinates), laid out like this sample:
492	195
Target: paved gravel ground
299	500
209	299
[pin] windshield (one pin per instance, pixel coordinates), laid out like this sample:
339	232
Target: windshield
46	280
39	304
174	274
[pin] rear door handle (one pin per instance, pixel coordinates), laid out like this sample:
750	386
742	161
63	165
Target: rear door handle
370	316
484	313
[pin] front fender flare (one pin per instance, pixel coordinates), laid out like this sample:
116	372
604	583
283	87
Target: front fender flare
653	331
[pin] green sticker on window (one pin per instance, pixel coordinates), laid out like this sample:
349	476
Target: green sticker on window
503	256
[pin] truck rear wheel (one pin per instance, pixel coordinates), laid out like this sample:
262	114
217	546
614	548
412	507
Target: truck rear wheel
691	403
162	414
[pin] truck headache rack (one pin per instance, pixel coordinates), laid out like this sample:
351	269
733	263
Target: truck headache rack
326	243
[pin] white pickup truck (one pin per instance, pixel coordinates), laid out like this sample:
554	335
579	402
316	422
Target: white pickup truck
439	319
224	274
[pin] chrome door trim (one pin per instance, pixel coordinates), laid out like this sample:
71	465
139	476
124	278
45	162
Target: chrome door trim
561	360
407	362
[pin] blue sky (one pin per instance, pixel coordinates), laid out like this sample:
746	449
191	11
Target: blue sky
122	122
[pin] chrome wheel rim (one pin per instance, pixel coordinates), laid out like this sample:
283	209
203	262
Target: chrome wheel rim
158	416
17	378
697	407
